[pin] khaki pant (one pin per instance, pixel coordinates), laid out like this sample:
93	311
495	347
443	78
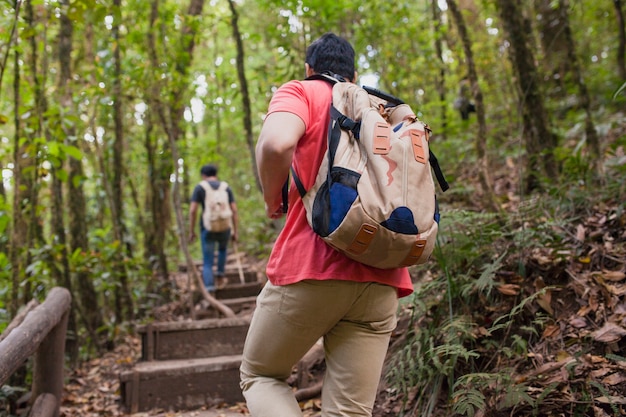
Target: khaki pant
355	321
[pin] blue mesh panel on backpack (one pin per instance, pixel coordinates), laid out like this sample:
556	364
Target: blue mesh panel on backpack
341	197
401	221
343	192
320	211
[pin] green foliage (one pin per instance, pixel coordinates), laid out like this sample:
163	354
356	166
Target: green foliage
444	334
397	42
5	218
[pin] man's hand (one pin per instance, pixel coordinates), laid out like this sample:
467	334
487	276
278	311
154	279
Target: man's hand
192	236
274	213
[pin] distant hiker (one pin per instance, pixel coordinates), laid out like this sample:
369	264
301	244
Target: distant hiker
314	291
218	223
463	101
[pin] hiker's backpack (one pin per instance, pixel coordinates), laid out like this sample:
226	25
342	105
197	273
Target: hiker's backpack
374	196
217	214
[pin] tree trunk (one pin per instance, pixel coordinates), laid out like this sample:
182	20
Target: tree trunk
245	95
62	269
540	141
441	77
124	302
5	229
12	38
621	47
27	230
157	199
21	185
572	57
552	48
480	143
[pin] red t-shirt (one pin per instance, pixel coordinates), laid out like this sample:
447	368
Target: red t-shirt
298	252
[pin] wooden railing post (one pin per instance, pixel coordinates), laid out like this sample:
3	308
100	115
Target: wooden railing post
49	362
40	334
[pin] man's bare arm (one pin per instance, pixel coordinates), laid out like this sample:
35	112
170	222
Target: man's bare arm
274	150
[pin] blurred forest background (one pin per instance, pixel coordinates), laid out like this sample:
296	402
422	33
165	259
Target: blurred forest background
109	108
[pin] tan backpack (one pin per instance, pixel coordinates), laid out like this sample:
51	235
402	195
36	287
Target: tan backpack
374	196
217	213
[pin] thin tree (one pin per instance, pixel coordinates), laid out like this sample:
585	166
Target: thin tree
540	141
440	80
590	130
245	95
123	300
21	184
480	142
28	147
621	46
85	298
12	37
158	192
59	265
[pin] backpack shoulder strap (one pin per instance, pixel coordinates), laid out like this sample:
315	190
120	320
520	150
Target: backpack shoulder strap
328	77
434	163
205	185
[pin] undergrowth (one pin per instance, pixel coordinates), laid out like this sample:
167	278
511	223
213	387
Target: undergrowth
472	318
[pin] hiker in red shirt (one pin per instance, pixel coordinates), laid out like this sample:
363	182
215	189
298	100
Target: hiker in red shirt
314	291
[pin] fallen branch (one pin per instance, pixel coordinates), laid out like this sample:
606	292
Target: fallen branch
215	303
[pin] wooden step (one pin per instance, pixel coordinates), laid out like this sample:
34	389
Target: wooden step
234	277
193	339
181	384
242	306
231	268
238	290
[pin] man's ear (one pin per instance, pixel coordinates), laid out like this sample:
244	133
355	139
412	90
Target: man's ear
308	71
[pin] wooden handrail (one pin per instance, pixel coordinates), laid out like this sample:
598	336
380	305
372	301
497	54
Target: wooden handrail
41	334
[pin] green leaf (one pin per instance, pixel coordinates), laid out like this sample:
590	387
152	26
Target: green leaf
54	149
619	90
73	151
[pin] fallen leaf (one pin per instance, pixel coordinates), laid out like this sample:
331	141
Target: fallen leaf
611	399
595	359
609	333
580	233
613	275
614	379
509	289
551	331
578	322
599	373
599	412
616	290
544	300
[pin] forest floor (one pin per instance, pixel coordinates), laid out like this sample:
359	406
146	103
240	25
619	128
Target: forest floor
93	388
586	303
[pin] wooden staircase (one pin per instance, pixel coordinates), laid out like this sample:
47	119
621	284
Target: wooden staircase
190	364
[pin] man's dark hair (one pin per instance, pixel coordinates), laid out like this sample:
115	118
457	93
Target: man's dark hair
209	170
331	53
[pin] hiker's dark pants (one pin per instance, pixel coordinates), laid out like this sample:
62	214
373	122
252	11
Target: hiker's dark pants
209	241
